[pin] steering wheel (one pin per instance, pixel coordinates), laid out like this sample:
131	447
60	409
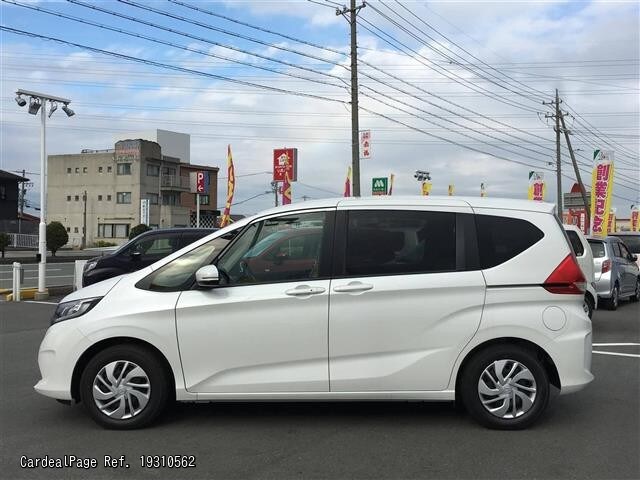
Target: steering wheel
246	271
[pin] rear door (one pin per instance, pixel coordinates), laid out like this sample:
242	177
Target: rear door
630	270
403	303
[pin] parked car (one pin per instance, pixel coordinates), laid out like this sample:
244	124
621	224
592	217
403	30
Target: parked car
140	252
616	271
417	298
632	241
585	260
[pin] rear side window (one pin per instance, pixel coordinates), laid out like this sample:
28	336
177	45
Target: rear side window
632	242
597	248
387	242
576	244
502	238
616	249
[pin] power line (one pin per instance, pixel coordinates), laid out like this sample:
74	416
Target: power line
171	44
164	65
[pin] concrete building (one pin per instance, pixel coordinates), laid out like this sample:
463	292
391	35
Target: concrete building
105	190
10	185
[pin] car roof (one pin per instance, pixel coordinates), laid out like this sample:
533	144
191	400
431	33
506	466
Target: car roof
625	234
177	230
413	200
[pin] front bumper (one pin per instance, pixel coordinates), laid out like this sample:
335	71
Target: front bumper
59	352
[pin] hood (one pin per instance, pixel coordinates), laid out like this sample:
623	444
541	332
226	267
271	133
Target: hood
99	289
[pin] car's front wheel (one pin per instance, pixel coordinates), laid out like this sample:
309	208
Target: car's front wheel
588	305
505	387
124	387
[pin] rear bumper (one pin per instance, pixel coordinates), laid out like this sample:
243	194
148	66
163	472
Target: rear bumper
571	353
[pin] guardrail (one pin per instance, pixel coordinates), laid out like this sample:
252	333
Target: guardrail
23	240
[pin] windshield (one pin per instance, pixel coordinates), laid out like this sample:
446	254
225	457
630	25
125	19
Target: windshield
632	242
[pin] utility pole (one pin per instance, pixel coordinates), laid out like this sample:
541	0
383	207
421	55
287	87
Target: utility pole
556	116
355	127
84	220
575	168
23	192
274	189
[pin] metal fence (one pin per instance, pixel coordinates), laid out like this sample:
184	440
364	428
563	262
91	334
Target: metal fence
23	240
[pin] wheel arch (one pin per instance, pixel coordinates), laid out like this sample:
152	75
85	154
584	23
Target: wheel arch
545	358
97	347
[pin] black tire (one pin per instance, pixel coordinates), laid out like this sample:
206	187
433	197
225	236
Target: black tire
158	391
636	296
589	305
484	359
614	301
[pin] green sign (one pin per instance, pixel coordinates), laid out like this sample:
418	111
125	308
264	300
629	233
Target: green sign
379	186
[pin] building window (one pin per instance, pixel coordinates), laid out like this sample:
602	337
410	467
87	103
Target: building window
68	169
108	198
153	198
99	198
153	170
123	197
124	169
3	192
99	169
204	199
168	171
77	198
109	169
168	199
84	169
68	229
77	169
68	198
113	230
75	229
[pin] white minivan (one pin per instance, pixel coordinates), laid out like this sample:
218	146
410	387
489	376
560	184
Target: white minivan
419	298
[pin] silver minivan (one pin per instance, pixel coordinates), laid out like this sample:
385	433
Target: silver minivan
616	272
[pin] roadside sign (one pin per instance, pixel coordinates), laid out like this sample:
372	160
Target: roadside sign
285	160
198	181
365	144
379	185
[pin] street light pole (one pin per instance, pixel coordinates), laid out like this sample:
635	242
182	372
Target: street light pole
42	99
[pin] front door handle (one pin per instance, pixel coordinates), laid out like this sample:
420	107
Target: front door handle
353	287
304	290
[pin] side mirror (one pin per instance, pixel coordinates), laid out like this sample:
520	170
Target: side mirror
207	276
634	258
136	255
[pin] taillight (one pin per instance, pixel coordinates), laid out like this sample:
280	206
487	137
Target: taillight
567	278
606	266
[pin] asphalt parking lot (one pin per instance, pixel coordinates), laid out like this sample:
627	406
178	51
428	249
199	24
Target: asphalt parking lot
591	434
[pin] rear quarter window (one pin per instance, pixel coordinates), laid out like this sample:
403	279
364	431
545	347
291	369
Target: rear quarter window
502	238
597	248
576	244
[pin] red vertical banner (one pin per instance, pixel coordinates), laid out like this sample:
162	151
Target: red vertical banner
286	189
635	220
231	186
391	179
347	184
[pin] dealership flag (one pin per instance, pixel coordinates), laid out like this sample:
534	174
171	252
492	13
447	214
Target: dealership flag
611	223
391	183
347	184
231	185
536	186
483	190
286	189
450	191
635	219
601	189
426	187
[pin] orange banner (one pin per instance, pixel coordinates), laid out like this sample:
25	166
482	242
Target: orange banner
347	184
231	186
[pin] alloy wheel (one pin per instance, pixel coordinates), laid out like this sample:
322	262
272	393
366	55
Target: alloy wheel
507	389
121	390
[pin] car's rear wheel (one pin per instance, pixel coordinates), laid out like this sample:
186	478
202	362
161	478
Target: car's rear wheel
124	387
505	387
636	295
614	301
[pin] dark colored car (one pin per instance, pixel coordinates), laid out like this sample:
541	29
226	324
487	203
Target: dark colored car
140	252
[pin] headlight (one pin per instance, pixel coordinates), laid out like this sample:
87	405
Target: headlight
73	309
90	266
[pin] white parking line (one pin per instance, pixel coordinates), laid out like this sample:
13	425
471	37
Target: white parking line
617	354
615	344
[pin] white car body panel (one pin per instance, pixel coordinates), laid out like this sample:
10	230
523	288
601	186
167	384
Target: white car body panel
404	339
